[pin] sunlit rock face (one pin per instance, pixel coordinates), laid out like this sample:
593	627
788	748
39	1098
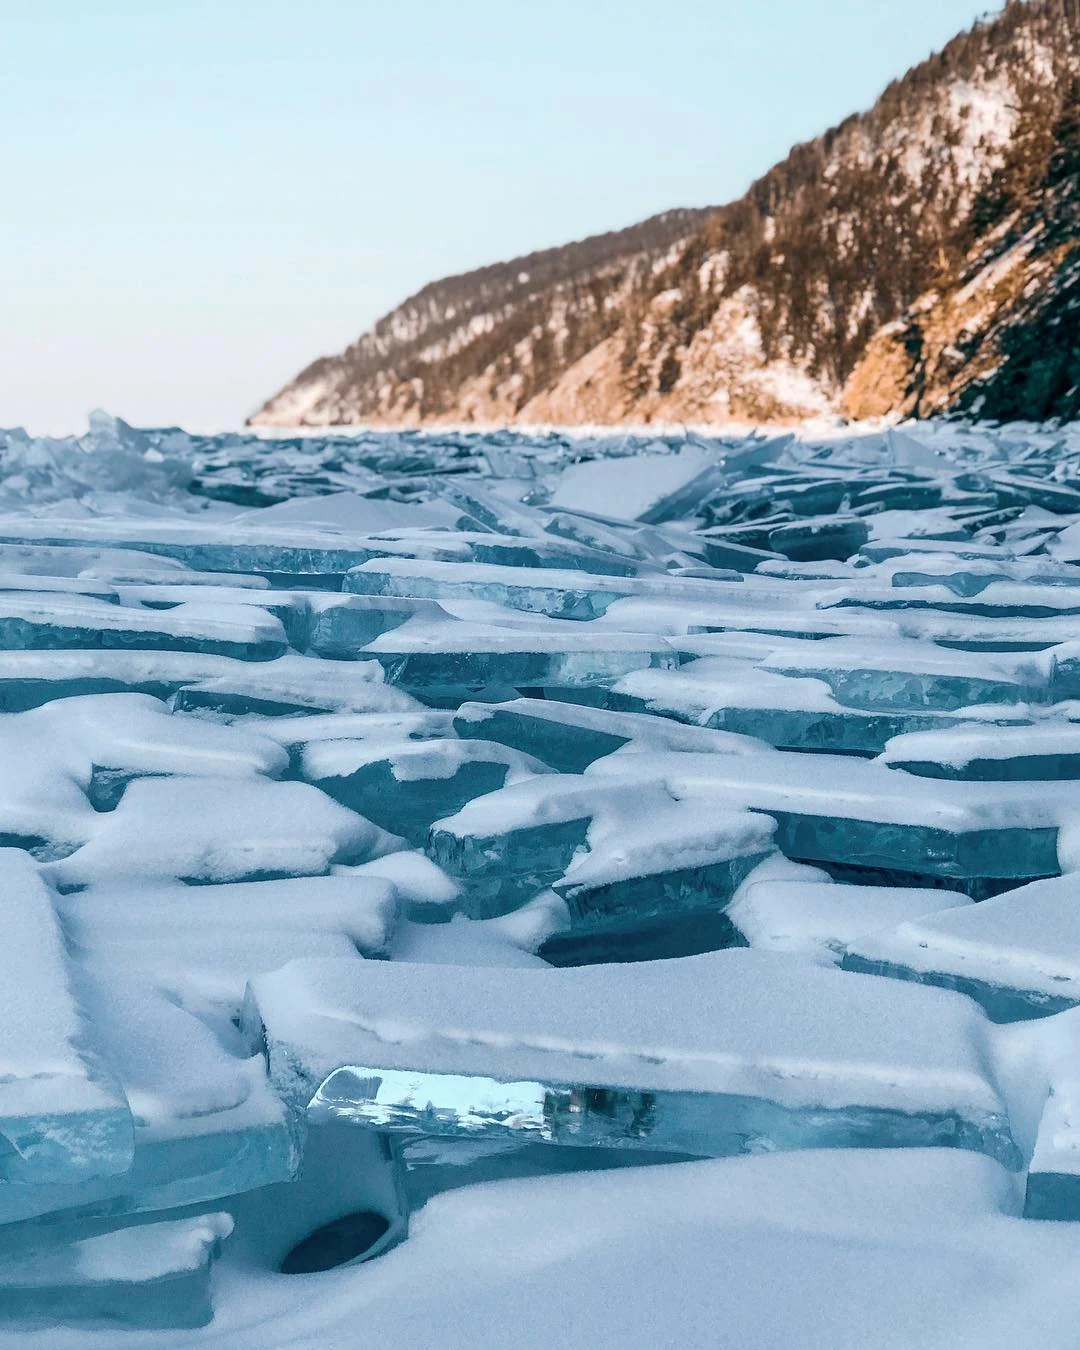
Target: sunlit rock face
920	258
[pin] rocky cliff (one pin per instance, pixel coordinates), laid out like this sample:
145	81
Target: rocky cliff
921	257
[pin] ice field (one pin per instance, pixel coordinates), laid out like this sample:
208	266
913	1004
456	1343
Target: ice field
528	889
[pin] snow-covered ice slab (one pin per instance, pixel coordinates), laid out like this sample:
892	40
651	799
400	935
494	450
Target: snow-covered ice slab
425	657
558	594
912	675
407	785
705	1055
507	845
569	737
30	621
293	684
204	830
30	678
1018	954
843	811
645	488
153	1276
494	550
63	1117
1047	749
790	712
200	944
789	907
206	1123
653	884
287	553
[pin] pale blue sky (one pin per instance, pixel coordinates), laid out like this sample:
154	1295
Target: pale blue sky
200	196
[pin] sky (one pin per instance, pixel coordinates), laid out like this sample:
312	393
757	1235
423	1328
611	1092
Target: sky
199	197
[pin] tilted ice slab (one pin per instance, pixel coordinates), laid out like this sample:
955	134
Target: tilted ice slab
639	487
1017	954
62	1116
704	1055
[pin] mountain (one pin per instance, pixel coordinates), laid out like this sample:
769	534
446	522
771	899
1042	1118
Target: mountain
922	257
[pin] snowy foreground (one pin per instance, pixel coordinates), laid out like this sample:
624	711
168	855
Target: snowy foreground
501	890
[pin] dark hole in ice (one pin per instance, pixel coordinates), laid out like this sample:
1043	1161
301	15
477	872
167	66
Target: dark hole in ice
336	1243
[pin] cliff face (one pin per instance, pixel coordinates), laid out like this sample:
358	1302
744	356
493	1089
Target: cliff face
921	257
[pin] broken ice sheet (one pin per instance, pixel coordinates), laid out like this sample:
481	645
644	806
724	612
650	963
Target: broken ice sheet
951	657
504	847
558	594
290	686
678	857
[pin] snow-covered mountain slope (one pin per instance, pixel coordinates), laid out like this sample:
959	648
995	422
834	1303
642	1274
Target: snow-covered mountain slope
919	257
